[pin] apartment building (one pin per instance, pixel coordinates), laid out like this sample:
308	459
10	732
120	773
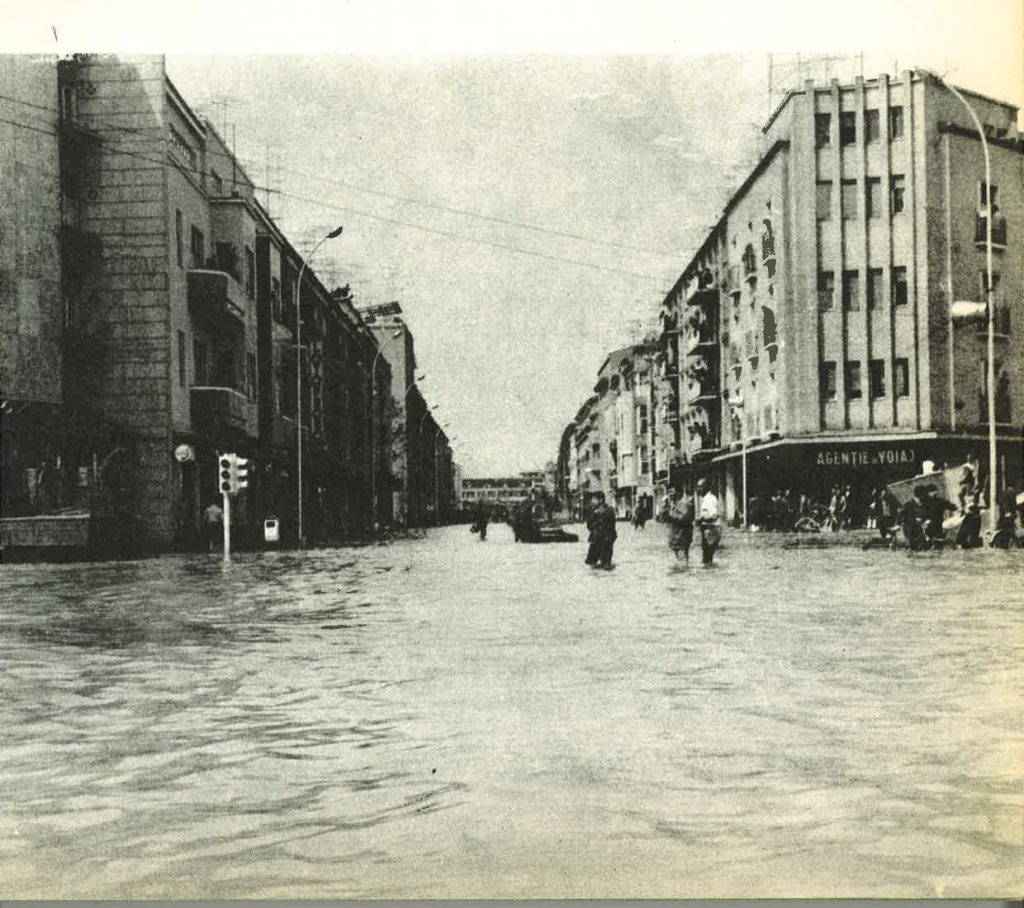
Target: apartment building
811	334
151	279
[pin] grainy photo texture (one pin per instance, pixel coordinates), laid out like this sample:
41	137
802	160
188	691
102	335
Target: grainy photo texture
521	475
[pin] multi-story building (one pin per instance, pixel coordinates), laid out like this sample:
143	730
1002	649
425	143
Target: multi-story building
812	333
155	309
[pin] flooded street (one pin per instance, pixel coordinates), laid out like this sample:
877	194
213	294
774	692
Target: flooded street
444	718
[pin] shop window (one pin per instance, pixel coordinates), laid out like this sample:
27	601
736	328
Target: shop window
853	389
871	126
828	380
877	379
849	199
823	200
847	127
851	291
822	129
897	189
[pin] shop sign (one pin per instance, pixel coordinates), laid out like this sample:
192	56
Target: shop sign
866	457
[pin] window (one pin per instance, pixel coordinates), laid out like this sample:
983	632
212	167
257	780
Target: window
871	127
985	193
68	104
179	238
197	248
899	285
901	378
851	291
823	202
897	186
250	375
983	282
250	273
201	364
828	380
182	378
216	182
641	419
826	288
895	123
847	127
275	299
822	129
874	287
849	189
853	390
877	379
873	197
181	146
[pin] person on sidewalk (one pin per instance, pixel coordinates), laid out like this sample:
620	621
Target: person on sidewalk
482	518
709	519
601	524
680	522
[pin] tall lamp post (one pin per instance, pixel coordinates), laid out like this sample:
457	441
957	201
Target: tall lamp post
990	380
373	426
334	234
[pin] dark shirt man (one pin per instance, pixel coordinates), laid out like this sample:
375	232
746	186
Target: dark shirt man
601	524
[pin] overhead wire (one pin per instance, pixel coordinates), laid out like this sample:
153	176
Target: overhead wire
330	205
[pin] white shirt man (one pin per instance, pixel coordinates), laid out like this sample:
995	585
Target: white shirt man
709	519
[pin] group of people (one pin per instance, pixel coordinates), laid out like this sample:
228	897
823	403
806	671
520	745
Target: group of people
681	514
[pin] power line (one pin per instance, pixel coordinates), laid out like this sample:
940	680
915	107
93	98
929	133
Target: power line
465	239
372	215
380	193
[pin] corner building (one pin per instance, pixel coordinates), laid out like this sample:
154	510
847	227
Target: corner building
812	334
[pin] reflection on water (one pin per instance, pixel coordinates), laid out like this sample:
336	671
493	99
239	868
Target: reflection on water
442	718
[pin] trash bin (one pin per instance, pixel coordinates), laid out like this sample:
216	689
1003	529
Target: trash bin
271	530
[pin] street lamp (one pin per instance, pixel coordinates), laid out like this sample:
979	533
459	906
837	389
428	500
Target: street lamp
736	404
334	234
373	425
989	302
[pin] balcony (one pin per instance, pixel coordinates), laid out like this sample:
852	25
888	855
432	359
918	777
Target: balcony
215	297
220	412
702	340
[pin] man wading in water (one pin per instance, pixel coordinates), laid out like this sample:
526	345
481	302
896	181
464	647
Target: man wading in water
709	518
601	524
680	522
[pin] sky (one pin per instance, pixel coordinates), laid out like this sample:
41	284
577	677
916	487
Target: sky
528	180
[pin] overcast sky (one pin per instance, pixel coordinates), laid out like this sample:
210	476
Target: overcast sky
528	180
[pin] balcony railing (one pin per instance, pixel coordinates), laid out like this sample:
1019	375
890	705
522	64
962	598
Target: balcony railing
215	296
221	411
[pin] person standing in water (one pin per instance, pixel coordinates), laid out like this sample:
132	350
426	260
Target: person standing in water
709	518
680	522
601	524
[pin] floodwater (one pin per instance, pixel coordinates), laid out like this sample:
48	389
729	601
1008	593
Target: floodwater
441	717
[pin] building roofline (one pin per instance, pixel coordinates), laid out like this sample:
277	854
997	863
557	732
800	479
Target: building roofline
969	132
171	90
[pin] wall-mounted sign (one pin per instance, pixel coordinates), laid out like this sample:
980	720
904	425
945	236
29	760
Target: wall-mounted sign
855	457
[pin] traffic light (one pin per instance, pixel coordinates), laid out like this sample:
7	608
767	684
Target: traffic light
241	473
226	474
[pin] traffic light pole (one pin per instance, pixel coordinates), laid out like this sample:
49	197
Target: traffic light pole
227	525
